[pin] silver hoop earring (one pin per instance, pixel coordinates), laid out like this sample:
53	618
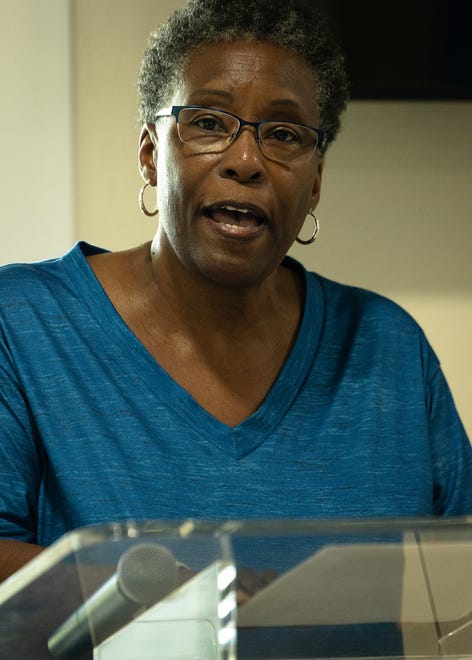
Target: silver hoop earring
316	229
142	205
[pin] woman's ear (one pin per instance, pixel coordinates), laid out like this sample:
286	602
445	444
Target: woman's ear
316	191
148	154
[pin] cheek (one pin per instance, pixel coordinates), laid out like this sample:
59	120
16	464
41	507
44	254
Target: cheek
169	179
300	195
182	178
166	175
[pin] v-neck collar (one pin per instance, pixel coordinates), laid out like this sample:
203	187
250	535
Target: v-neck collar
238	441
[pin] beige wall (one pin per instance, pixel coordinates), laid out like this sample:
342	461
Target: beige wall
35	129
396	217
110	37
396	208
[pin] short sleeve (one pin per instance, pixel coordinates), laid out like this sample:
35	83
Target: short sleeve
451	451
20	464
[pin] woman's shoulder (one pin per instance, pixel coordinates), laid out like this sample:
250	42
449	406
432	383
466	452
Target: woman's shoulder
363	305
21	283
21	271
373	327
32	285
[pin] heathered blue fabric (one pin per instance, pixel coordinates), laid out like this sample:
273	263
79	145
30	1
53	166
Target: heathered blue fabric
360	421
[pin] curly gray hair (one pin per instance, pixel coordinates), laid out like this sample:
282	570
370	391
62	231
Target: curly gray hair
291	24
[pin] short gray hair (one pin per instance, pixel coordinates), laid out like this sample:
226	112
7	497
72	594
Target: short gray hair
291	24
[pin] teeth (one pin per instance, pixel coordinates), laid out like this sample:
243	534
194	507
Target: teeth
233	208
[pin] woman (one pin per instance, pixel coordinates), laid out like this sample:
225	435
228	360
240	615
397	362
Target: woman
206	374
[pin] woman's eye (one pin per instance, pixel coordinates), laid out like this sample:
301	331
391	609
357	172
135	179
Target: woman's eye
209	123
282	134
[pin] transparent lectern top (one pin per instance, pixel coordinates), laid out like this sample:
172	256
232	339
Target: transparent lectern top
305	589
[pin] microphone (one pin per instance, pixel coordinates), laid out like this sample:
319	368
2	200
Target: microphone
145	574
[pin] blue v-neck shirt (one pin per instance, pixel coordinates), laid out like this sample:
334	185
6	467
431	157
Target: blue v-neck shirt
359	422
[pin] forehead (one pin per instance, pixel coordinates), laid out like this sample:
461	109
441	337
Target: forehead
245	69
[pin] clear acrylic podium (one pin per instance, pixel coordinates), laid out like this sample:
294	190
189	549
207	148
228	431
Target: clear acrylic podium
384	589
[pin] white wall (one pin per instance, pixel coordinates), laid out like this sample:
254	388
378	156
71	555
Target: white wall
35	129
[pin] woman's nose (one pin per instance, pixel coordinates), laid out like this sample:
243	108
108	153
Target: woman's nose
243	159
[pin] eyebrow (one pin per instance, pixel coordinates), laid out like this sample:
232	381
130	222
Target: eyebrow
213	92
228	96
285	101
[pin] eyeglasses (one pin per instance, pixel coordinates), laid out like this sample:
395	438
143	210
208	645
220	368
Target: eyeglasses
207	130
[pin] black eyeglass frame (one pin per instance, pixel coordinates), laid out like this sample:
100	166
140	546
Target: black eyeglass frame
174	111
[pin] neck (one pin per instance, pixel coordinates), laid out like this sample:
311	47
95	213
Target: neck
200	302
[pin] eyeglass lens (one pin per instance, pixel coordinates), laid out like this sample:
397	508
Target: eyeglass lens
213	131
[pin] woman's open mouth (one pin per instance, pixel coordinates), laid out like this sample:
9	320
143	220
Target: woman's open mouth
236	221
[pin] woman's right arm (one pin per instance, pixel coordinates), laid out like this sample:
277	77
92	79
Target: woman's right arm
14	555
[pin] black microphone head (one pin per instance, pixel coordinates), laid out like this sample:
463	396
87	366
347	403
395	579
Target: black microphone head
146	573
